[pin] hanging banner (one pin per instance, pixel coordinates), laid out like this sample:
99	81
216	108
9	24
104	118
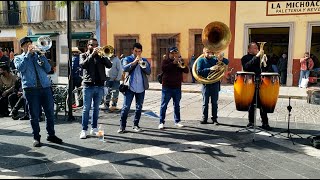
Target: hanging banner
275	8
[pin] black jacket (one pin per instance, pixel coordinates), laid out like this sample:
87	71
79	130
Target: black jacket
251	63
94	72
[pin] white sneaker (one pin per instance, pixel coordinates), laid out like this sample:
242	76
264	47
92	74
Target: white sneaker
94	131
103	107
137	129
83	134
179	125
161	126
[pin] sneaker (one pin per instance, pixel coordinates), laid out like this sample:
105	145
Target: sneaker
94	131
204	122
161	126
179	125
137	128
121	131
36	143
83	134
103	107
250	124
215	121
266	127
54	139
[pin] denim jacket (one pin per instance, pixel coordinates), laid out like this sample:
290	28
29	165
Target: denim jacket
25	64
127	67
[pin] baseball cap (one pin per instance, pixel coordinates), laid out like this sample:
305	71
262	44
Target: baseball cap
25	40
173	49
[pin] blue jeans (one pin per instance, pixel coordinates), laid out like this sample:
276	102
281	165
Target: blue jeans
113	91
128	97
37	98
167	94
305	74
210	90
91	93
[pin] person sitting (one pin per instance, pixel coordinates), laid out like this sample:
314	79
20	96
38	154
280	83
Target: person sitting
7	82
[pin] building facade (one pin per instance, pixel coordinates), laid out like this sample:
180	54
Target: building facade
291	27
45	18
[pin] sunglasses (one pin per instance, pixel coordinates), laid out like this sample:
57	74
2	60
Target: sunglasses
93	44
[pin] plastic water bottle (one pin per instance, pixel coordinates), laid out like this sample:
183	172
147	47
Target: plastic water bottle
100	133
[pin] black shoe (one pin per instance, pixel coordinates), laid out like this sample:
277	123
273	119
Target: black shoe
215	121
250	124
15	117
266	127
54	139
36	143
204	122
121	131
24	118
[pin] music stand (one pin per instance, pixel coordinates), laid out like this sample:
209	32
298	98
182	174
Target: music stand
257	88
288	131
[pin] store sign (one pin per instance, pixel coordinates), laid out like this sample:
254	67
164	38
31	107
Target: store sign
275	8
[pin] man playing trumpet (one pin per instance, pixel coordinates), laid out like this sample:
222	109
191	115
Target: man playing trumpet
205	65
172	69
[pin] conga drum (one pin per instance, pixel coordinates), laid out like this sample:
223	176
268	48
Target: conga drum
244	88
269	91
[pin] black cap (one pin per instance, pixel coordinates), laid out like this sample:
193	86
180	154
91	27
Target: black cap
173	49
25	40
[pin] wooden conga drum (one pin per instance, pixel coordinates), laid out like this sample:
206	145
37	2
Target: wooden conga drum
269	91
244	88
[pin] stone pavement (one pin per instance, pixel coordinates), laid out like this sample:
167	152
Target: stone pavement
195	151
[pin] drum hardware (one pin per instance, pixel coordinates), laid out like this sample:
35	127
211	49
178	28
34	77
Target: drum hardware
288	131
257	88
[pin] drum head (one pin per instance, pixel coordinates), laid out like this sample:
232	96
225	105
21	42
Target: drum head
244	72
269	74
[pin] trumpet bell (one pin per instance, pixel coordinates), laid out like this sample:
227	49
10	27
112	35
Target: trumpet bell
44	43
107	51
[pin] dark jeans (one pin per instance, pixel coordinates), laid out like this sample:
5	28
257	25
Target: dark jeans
210	91
263	115
113	91
167	94
37	98
193	79
128	97
283	77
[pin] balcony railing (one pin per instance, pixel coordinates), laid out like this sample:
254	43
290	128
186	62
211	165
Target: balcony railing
10	18
42	13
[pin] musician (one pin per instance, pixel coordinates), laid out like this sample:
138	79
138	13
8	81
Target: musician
36	86
251	63
204	66
171	85
94	77
138	83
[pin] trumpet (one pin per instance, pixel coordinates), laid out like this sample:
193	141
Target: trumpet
106	51
181	63
141	62
263	57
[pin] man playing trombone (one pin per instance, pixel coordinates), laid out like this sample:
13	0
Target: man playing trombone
93	63
172	69
205	66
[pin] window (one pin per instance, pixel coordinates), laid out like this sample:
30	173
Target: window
124	44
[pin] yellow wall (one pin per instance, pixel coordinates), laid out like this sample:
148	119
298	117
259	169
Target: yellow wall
22	32
145	18
245	14
1	5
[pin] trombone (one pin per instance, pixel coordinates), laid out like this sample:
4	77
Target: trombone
106	51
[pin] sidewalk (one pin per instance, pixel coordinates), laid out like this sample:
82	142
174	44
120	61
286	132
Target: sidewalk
285	92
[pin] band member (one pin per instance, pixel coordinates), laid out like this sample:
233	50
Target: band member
34	68
7	83
171	85
251	63
138	83
94	76
204	66
114	76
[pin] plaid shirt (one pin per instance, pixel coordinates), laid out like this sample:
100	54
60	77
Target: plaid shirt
303	63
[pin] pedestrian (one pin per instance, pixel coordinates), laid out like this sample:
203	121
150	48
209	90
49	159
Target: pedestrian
76	73
138	83
191	62
34	68
94	77
7	83
210	91
171	85
251	63
306	64
114	75
282	67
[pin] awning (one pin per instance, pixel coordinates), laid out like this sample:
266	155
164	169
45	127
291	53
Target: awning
36	36
81	35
